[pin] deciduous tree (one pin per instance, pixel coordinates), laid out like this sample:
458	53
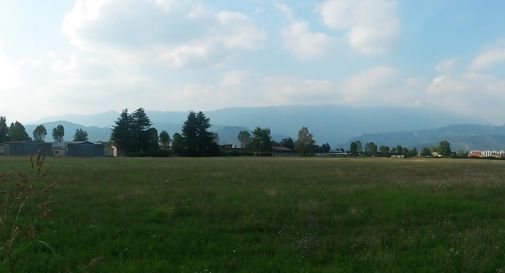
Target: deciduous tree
288	143
370	149
80	135
261	141
244	138
444	148
305	142
58	133
353	148
164	139
384	150
426	151
40	133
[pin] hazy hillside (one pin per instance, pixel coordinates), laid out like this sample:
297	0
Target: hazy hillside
227	134
94	133
331	123
461	137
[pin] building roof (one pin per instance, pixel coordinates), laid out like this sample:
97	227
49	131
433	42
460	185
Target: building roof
26	142
281	149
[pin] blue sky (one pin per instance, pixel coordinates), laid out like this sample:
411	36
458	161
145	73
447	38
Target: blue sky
90	56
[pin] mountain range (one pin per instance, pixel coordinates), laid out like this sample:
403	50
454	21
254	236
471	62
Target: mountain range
461	136
333	124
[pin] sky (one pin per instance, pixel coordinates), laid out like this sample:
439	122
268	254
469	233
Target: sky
91	56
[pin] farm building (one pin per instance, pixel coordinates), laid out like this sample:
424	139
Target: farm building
84	149
282	151
20	148
78	149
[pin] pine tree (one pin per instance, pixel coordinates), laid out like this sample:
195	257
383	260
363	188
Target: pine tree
121	133
4	130
198	140
17	132
133	133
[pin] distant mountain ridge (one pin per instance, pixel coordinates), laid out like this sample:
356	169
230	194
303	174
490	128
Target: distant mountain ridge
461	136
227	134
95	133
328	123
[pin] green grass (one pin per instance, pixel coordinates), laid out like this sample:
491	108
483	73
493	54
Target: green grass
273	215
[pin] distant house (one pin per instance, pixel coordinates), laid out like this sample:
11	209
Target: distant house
475	154
282	151
23	148
486	154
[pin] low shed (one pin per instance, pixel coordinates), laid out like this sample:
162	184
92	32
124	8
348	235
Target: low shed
84	149
21	148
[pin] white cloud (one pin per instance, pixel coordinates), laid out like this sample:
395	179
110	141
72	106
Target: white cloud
381	85
470	94
166	5
82	13
371	25
377	86
447	85
300	39
489	59
285	10
233	79
447	65
303	43
240	31
147	31
9	72
288	90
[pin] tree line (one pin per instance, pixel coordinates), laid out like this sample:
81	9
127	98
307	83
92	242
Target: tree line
17	132
356	148
133	134
261	142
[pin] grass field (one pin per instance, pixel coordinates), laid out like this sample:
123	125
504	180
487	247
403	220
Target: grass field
272	215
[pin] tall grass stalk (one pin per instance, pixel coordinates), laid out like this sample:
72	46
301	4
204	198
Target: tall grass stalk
25	202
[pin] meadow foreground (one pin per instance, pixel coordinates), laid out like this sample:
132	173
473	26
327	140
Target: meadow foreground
271	215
